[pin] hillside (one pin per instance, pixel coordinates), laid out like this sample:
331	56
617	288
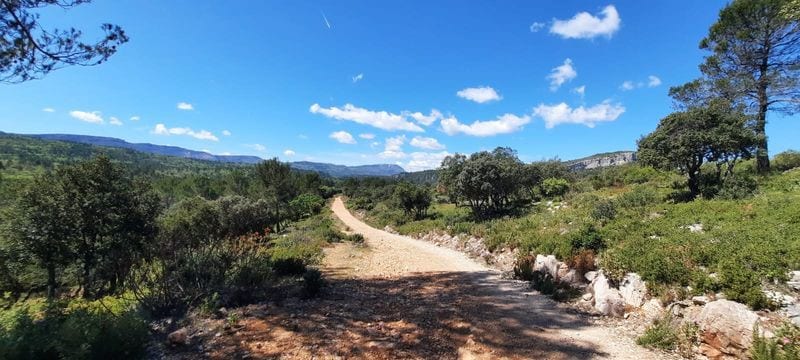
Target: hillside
602	160
64	147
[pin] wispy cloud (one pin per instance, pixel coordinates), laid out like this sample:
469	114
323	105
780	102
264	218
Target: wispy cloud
426	143
367	136
562	113
257	147
653	81
135	118
423	119
479	95
185	106
627	85
358	78
325	18
343	137
288	152
226	133
580	90
379	119
115	121
587	26
536	26
561	74
504	124
161	129
49	110
93	117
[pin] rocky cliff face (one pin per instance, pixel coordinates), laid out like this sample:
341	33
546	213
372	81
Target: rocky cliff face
603	160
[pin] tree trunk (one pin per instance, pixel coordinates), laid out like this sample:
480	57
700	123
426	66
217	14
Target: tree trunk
51	281
762	155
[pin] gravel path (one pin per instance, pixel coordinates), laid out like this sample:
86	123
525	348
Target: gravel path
487	317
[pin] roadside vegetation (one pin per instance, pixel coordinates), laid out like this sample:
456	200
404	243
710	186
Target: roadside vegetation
93	250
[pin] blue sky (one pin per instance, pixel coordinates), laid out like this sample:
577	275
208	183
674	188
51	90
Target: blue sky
357	82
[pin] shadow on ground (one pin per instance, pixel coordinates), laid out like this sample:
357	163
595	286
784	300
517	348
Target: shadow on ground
454	315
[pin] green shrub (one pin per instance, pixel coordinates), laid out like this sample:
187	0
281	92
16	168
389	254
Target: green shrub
77	332
356	239
743	285
639	196
554	187
660	335
604	211
785	345
737	187
786	160
312	283
587	238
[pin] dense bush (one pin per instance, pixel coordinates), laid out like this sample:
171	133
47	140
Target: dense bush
786	160
77	331
554	187
660	335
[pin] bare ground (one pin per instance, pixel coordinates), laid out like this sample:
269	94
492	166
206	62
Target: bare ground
399	297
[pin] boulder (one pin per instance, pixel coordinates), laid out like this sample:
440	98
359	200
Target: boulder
607	300
727	326
179	337
794	280
547	264
633	290
700	300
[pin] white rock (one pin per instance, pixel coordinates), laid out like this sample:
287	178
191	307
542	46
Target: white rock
547	264
633	289
587	297
794	280
727	326
607	300
590	276
695	228
700	300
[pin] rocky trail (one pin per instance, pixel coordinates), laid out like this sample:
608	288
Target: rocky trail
397	297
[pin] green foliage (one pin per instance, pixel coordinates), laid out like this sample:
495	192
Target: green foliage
78	331
523	267
306	205
786	160
312	283
489	182
413	199
660	335
291	255
554	187
686	140
356	239
784	345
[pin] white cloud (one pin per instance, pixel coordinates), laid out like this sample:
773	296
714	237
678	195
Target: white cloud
561	74
135	118
49	109
379	119
653	81
162	129
367	136
393	148
426	143
580	90
425	119
425	160
554	115
256	147
288	152
358	78
536	26
505	124
479	94
627	85
90	117
343	137
185	106
226	133
587	26
114	121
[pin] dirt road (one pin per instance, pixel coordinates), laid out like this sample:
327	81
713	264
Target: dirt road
453	300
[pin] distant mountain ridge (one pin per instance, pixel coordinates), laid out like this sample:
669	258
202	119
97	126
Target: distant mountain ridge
329	169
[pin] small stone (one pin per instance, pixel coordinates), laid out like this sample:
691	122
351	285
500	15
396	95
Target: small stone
179	337
587	297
